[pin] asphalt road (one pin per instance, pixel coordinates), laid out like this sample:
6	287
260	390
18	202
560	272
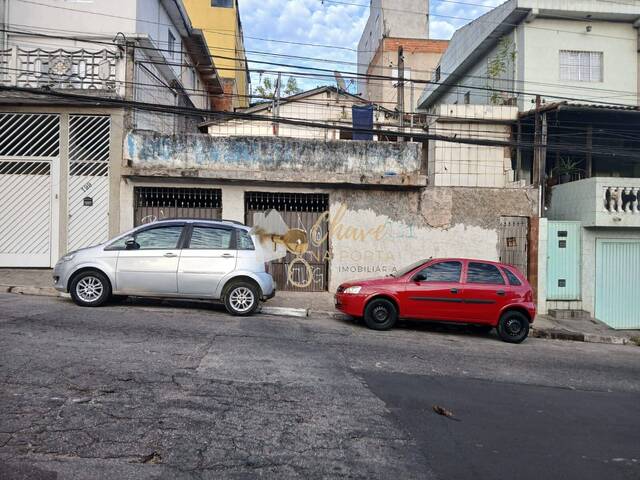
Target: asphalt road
155	390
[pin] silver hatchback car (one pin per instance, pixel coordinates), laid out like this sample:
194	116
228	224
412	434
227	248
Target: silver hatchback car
203	259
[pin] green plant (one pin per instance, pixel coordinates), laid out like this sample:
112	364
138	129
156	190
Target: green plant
565	166
498	65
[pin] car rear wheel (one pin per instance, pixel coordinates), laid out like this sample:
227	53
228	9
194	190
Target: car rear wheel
241	298
90	289
380	314
513	327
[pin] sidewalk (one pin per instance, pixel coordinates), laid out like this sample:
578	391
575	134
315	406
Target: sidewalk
37	281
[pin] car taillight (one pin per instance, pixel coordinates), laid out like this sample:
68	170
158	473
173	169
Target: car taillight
528	297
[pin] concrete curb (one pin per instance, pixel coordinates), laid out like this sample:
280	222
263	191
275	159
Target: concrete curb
285	311
560	334
536	332
30	290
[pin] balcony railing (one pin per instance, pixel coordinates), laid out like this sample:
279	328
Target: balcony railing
598	202
61	69
621	199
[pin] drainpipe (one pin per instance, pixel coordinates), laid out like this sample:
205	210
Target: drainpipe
4	23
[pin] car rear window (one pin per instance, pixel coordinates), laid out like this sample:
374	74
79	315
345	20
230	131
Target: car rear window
513	280
244	241
210	238
484	273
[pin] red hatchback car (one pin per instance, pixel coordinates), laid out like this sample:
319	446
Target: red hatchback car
478	292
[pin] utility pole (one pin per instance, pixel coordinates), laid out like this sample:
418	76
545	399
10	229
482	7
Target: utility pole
401	90
540	154
276	106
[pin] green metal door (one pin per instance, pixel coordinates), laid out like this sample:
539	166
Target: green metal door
563	261
617	299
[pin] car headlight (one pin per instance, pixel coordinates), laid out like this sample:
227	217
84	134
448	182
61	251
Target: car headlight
355	289
67	257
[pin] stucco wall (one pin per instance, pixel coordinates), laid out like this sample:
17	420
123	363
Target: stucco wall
544	38
277	159
375	233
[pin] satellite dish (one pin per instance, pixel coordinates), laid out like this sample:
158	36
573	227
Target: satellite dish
340	81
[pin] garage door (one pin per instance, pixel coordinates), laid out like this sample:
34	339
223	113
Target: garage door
617	299
29	156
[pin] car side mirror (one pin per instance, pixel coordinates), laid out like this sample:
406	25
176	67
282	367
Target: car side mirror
131	244
420	277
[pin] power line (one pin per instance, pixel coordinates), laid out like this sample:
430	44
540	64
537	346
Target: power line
386	78
356	75
92	100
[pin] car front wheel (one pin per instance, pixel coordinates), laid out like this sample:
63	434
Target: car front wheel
513	327
380	314
90	289
241	298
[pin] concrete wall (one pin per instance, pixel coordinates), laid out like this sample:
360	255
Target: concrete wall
274	159
544	38
390	18
456	164
375	232
584	201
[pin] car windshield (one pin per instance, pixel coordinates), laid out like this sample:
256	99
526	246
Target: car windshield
406	270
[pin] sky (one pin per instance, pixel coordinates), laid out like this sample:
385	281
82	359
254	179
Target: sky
333	27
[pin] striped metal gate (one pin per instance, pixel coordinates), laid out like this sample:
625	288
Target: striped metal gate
304	211
514	238
617	302
158	203
29	170
88	198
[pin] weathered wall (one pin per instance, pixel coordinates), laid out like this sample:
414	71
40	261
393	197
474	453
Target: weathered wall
273	159
375	233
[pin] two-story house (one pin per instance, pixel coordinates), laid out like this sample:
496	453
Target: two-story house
562	80
61	142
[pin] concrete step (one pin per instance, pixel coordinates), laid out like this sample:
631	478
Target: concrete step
569	314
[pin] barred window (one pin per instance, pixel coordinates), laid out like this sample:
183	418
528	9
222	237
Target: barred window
577	66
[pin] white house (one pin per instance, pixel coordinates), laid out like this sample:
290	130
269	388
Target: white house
61	156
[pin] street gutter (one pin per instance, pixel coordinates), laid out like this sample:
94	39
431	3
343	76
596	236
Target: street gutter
536	332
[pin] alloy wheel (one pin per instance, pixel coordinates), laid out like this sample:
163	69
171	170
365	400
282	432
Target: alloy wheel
89	289
241	299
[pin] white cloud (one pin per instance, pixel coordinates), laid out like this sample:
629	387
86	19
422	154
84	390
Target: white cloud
330	24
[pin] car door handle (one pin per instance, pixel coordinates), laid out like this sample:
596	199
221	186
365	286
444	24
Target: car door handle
454	290
170	255
226	255
500	292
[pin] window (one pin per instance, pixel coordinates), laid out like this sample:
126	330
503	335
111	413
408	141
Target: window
436	77
513	280
171	43
222	3
159	238
209	238
484	273
244	241
443	272
467	98
578	66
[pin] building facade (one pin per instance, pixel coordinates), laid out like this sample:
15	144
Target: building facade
391	25
568	75
65	104
220	22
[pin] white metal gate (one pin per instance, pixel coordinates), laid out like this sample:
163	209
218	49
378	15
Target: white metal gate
29	163
88	199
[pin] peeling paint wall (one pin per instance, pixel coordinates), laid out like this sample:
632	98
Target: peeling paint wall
244	155
375	233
